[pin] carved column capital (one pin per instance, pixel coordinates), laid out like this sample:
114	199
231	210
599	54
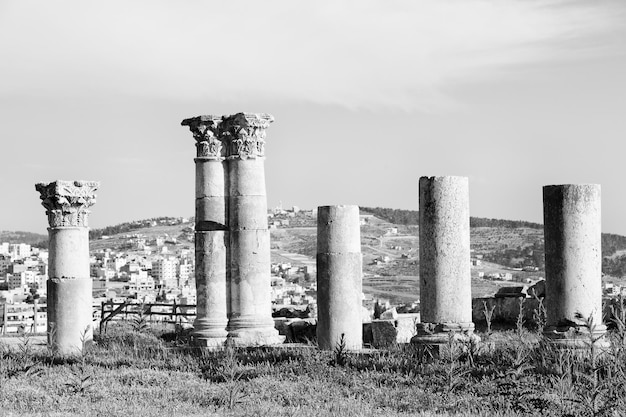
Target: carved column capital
244	135
67	202
206	132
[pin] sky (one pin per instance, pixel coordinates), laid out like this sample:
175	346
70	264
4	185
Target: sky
367	95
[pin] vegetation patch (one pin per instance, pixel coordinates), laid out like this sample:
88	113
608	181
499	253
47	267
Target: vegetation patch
138	373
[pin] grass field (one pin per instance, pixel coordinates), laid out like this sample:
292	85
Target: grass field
140	373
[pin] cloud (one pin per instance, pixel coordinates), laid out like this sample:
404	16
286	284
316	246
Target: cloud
359	53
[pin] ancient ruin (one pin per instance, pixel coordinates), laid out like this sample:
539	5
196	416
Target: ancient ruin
339	277
70	308
445	281
572	230
231	199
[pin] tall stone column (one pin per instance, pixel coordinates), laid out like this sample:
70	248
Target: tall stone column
572	232
70	311
211	234
444	245
339	277
250	321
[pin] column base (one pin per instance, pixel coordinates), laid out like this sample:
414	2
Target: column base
209	337
254	337
437	334
209	328
577	337
212	343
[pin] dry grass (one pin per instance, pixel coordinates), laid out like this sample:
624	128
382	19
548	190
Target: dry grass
138	374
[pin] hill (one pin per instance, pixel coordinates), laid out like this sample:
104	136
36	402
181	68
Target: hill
411	217
33	239
135	225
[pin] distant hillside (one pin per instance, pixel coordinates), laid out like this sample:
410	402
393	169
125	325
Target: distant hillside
613	246
408	217
33	239
134	225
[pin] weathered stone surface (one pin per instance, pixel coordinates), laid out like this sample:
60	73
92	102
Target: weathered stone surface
512	291
247	213
339	277
301	331
406	325
209	214
573	262
250	320
506	309
211	199
70	317
250	282
384	333
211	237
67	202
337	230
291	313
211	278
390	314
206	132
246	177
445	282
244	134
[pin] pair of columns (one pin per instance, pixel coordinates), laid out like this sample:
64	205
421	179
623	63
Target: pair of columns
69	286
232	241
572	232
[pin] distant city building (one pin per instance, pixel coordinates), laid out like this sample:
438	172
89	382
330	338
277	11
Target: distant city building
19	250
165	270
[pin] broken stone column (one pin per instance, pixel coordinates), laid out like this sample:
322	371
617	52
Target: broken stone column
250	322
339	277
444	245
70	311
211	233
572	232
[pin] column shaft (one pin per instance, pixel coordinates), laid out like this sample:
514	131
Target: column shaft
69	286
211	253
444	245
339	277
250	295
572	231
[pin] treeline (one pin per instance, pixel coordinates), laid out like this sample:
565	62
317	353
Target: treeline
395	216
612	243
411	217
130	226
507	224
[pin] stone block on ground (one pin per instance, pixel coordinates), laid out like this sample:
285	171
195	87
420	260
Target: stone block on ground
384	333
301	331
406	327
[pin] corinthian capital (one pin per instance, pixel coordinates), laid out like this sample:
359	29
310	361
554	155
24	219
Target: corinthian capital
206	132
244	134
67	202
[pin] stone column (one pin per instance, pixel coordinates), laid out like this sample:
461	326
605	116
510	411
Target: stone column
211	234
70	311
250	321
444	244
572	232
339	277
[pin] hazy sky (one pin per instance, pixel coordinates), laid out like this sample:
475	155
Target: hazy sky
368	96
